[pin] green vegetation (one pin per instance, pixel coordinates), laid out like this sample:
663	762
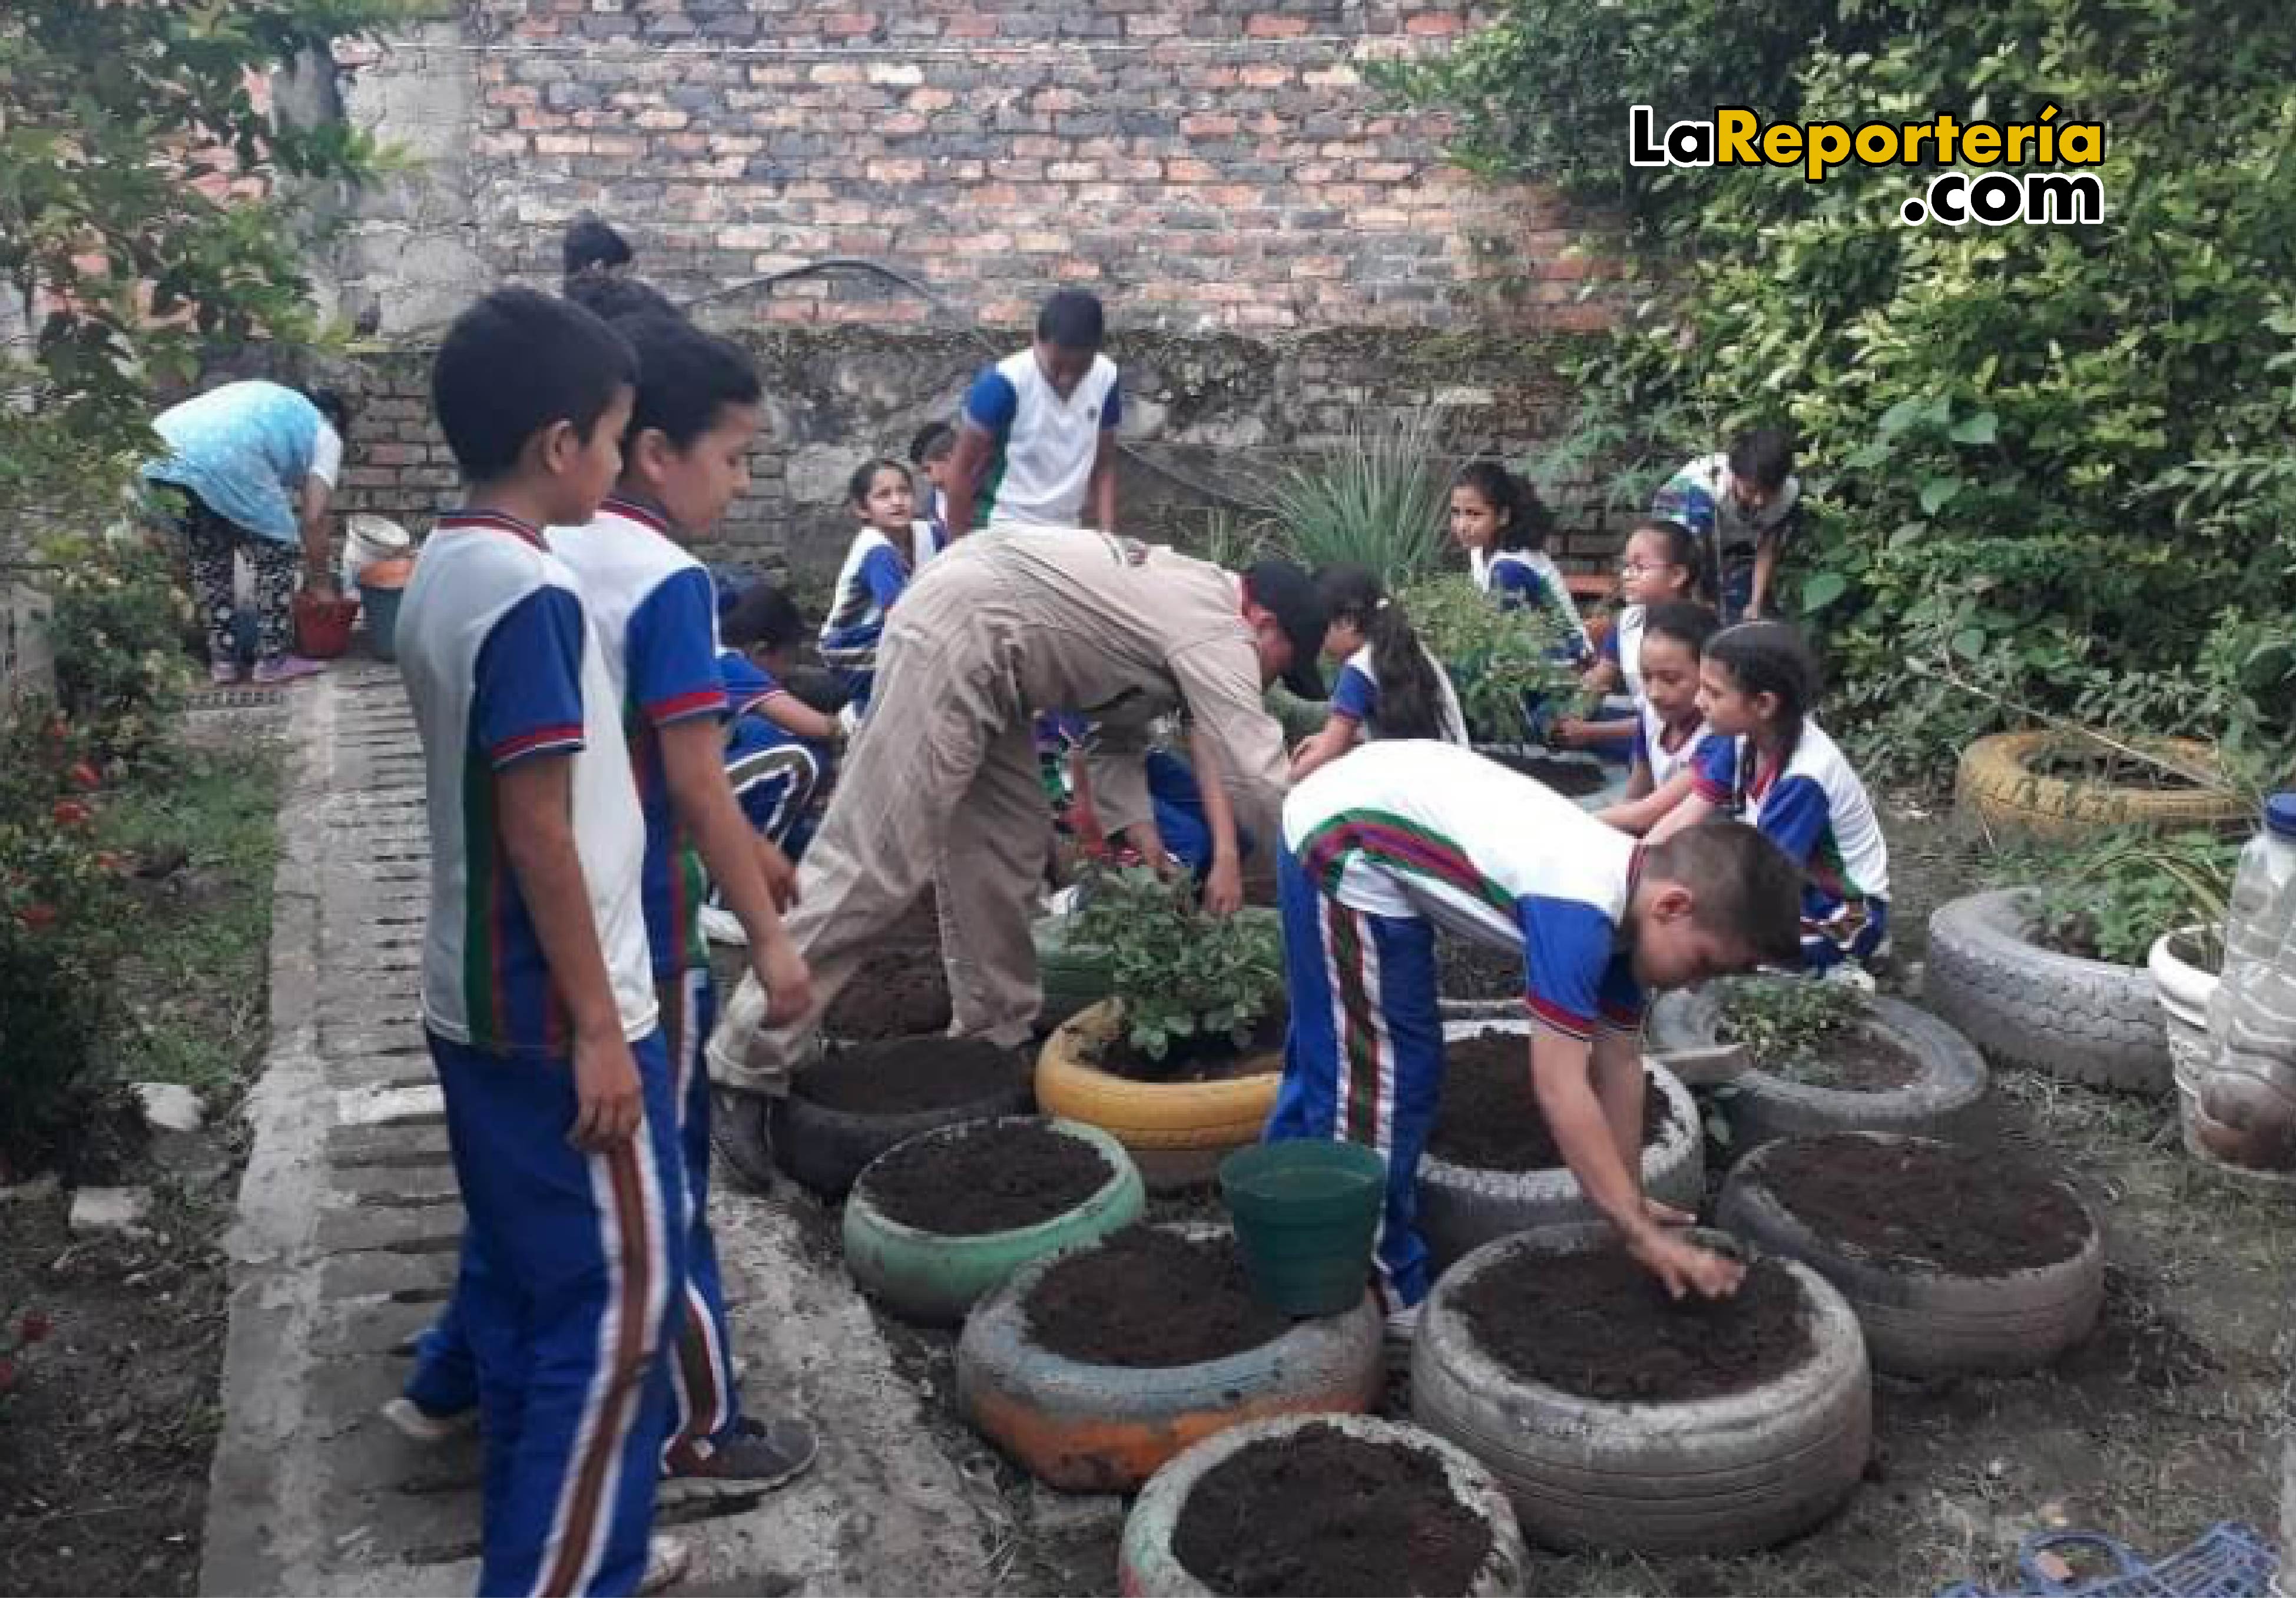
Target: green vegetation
1178	973
2109	898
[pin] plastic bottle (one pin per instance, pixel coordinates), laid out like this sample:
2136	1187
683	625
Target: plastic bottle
2247	1108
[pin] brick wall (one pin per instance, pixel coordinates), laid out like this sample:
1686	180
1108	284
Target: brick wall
1200	163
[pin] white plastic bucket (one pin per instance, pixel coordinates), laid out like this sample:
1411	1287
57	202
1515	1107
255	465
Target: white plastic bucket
368	539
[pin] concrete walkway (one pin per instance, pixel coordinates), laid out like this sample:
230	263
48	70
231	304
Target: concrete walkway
345	1245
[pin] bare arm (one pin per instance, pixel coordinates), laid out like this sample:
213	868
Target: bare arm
1321	748
1100	490
318	498
1638	785
1766	573
1639	816
693	764
1689	813
793	716
1224	883
965	468
536	798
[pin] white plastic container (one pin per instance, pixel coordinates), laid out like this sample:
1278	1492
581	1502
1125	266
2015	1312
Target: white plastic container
2246	1113
368	539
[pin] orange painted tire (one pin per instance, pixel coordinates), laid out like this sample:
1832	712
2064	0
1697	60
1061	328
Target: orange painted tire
1996	783
1107	1429
1177	1131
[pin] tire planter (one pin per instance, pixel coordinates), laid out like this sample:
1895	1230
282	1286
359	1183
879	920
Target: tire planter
1177	1131
1711	1476
825	1150
1761	1106
933	1277
2184	988
1147	1567
1996	783
1106	1429
1461	1208
1929	1323
2080	1019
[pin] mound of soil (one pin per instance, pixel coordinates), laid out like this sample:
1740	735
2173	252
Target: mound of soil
1147	1299
900	991
1467	970
896	1076
995	1177
1489	1120
1599	1325
1322	1513
1857	1060
1200	1059
1574	779
1921	1206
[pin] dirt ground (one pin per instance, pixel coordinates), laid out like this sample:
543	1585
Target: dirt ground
2162	1424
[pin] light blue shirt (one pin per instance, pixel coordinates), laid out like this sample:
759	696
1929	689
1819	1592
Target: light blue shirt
246	450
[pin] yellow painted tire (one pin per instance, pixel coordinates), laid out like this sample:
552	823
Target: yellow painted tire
1176	1131
1997	785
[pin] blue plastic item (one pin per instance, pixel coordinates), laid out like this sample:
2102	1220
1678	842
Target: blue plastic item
2230	1561
2280	815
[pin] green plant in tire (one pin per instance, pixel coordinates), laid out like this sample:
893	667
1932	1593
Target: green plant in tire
2110	899
1784	1021
1178	973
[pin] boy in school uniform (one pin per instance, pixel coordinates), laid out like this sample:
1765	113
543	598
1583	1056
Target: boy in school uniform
1036	445
1742	504
1402	837
652	607
537	999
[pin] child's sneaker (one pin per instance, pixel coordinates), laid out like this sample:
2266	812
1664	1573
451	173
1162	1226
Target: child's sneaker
667	1560
420	1425
288	668
757	1455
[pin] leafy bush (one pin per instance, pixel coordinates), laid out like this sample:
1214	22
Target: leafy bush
2110	899
1376	502
1780	1020
119	613
1496	657
1178	973
2050	465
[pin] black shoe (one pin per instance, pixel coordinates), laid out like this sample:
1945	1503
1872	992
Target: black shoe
742	1134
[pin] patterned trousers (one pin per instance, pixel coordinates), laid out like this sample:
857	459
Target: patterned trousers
213	541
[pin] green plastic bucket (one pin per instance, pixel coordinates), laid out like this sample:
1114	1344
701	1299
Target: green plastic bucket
381	606
1305	1215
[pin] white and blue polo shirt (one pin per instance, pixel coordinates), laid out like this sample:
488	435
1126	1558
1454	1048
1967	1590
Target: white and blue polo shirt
1045	445
1622	646
1430	831
875	573
502	664
655	610
1355	694
1530	577
1698	496
1666	753
1816	809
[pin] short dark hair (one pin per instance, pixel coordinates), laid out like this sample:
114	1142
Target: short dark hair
1071	319
763	617
1741	885
1763	457
513	363
591	242
1686	622
334	405
618	298
865	478
935	441
685	378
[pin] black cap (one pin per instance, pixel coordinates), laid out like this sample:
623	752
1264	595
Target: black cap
1290	596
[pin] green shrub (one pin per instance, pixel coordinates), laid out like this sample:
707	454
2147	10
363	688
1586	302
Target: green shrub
2110	899
1495	656
1377	502
1178	973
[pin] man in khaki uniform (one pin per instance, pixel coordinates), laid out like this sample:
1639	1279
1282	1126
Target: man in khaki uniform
942	784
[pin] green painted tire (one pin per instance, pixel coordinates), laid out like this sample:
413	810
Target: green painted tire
933	1279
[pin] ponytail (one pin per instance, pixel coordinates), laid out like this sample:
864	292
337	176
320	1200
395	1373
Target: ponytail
1411	701
1525	521
1768	657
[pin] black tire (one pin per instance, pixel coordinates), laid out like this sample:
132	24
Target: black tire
1707	1476
1102	1428
1461	1208
1148	1568
825	1150
2083	1020
1929	1323
1760	1105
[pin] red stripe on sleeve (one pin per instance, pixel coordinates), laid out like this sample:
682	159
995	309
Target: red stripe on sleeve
677	707
568	737
1555	1018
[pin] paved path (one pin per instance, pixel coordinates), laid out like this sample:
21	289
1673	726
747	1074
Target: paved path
344	1248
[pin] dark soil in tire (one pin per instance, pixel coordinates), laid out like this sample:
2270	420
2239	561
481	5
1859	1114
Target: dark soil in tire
1200	1059
1321	1512
1573	779
2106	768
1856	1061
899	1075
1149	1299
1927	1207
899	992
994	1177
1600	1326
1467	970
1490	1121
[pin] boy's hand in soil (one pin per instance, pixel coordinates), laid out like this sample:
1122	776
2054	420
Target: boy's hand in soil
1683	1267
610	1105
781	970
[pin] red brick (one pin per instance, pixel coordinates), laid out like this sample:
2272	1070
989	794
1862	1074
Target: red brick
1275	26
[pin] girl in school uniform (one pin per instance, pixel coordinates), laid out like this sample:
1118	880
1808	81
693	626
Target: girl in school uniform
1388	686
1498	520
